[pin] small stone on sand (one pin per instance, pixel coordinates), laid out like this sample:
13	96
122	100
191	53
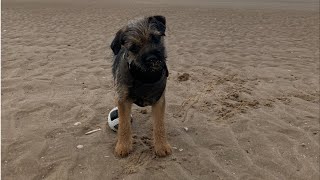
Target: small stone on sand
80	146
77	123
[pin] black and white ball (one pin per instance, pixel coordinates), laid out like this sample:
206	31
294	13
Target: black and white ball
113	119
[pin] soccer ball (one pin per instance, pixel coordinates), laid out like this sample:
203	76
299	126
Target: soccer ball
113	119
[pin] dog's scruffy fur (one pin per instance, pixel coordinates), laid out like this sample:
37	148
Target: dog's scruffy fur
140	73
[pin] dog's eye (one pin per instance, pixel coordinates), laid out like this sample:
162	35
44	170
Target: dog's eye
134	48
156	38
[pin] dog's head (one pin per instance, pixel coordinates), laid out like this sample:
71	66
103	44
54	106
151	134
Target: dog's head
143	41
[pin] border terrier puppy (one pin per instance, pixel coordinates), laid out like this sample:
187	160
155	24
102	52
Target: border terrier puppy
140	73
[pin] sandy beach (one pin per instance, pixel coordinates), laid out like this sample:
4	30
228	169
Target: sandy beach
242	94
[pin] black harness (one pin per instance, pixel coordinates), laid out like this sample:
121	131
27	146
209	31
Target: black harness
146	94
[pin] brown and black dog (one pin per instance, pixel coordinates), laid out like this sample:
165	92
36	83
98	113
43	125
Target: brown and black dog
140	73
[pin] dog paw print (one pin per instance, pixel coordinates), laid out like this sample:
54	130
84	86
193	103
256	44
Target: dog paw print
146	141
183	77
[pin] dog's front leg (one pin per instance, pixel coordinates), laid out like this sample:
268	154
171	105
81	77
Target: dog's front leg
161	146
124	144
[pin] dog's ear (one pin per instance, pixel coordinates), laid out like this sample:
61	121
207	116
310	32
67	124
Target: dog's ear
160	22
117	42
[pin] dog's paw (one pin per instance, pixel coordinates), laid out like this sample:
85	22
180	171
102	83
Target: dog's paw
122	149
162	150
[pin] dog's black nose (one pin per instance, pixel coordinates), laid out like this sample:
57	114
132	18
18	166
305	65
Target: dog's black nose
151	58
